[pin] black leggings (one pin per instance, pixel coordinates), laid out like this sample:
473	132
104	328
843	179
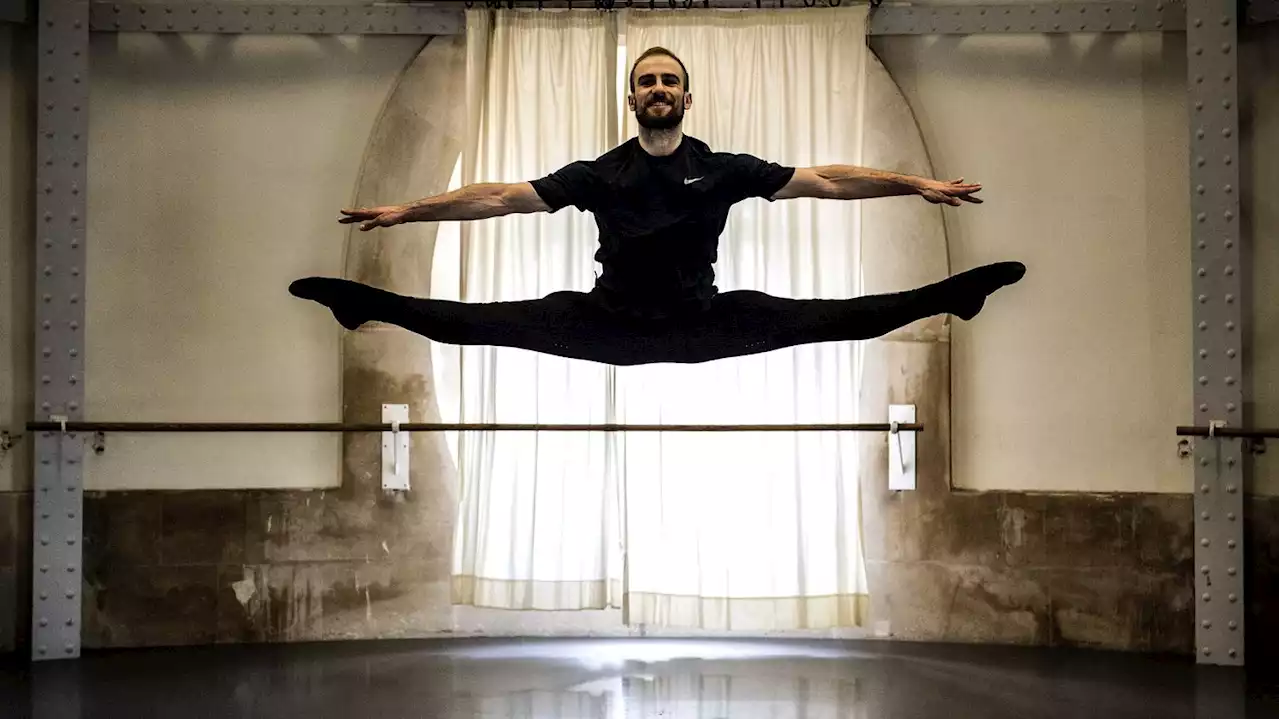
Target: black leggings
584	325
578	325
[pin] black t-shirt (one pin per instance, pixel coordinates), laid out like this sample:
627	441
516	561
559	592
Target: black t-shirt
660	218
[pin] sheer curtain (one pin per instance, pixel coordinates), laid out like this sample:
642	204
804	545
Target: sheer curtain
538	517
756	531
721	531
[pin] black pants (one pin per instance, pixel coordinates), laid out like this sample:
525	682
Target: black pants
591	326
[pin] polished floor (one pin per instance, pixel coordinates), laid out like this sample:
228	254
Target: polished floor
627	679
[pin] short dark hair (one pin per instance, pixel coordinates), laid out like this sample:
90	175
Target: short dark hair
631	79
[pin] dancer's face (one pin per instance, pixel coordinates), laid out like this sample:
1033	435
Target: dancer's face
659	99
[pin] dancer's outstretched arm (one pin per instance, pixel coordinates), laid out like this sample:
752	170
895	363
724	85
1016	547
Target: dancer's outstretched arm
473	202
849	182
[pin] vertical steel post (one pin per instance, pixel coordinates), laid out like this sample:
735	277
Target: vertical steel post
1217	331
61	183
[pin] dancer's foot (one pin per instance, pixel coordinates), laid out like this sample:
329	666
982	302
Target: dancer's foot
964	294
352	303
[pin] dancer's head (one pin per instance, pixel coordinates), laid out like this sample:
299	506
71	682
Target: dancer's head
659	89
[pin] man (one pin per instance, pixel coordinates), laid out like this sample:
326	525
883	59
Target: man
660	201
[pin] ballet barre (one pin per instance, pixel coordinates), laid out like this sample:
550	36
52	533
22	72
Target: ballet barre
1221	430
351	427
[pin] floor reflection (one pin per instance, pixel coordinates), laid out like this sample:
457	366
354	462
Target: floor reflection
628	679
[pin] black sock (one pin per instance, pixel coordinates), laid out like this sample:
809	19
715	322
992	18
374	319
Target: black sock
964	294
352	303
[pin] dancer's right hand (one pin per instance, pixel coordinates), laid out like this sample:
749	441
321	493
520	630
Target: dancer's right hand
371	217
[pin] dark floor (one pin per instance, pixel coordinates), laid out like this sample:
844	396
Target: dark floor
617	679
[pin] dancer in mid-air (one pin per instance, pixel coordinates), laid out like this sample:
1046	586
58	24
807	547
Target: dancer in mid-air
660	201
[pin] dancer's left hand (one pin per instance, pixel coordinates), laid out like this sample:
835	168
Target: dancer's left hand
951	193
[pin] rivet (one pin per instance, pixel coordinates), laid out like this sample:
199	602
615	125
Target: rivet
44	541
1199	51
1206	624
1199	189
1231	516
1199	79
1205	515
1232	624
75	325
75	299
1228	214
48	270
1230	299
1226	132
71	594
1206	596
1231	353
1199	22
1226	104
44	649
73	406
1202	271
1226	47
1226	78
44	569
44	622
44	406
1228	270
1231	489
1231	406
1204	542
1202	299
1204	408
1231	652
71	570
1231	461
71	541
44	595
1204	489
71	648
47	324
1204	569
71	515
1227	161
71	622
1204	380
1231	598
1201	217
74	352
1204	354
1231	544
1206	651
1201	244
45	379
1204	326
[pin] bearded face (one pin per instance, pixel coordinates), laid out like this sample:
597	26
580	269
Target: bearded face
659	98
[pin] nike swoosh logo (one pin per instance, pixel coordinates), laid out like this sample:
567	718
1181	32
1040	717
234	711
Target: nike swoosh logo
691	180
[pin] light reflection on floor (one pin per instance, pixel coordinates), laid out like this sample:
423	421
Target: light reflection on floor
626	679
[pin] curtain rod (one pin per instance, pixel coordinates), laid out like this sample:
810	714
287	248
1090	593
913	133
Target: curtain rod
663	4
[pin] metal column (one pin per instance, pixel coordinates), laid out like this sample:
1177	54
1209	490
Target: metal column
61	183
1212	95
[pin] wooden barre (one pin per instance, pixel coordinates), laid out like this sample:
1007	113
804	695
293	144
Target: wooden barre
446	427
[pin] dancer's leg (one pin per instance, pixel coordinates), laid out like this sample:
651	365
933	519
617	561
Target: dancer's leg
744	322
565	324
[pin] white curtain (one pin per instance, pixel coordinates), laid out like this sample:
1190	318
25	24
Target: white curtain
537	525
721	531
756	531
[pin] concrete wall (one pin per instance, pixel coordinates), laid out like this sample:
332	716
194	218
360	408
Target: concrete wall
206	186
